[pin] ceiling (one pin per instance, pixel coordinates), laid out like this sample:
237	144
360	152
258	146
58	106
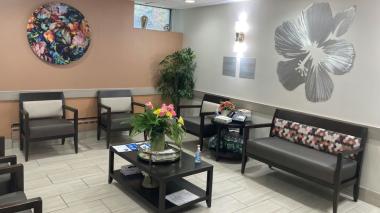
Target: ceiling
180	4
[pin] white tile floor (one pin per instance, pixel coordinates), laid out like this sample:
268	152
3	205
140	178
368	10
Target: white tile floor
77	183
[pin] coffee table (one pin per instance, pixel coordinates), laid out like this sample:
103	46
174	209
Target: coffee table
170	178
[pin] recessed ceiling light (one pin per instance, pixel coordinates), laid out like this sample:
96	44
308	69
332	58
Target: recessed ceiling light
190	1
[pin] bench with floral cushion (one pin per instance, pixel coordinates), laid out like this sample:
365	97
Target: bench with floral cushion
325	151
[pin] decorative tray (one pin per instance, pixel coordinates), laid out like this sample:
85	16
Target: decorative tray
172	153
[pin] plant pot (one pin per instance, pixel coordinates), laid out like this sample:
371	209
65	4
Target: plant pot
157	141
225	112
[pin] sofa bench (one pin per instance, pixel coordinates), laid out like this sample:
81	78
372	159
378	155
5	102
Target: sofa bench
324	151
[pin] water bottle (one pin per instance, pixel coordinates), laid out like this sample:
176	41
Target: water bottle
198	154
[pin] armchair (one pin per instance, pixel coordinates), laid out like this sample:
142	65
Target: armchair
115	110
43	117
16	201
202	125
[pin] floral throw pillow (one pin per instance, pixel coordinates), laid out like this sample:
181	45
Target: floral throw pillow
317	138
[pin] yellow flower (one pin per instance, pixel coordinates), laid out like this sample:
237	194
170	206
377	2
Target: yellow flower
169	114
157	112
180	121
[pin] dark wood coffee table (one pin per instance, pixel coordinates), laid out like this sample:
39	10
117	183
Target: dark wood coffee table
170	179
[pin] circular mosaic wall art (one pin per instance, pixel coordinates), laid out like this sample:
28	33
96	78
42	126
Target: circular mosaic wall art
58	33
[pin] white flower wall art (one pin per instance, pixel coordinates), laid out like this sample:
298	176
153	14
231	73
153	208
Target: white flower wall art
312	48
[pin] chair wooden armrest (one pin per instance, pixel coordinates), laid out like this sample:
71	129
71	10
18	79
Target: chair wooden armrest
17	172
12	159
34	203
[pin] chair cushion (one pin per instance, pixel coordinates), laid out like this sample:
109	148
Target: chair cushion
117	104
14	197
300	158
208	106
317	138
118	120
193	125
50	127
5	181
43	109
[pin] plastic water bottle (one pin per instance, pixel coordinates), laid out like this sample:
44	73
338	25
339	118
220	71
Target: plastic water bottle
198	154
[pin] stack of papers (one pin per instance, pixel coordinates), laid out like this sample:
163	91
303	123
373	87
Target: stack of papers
131	147
129	170
181	197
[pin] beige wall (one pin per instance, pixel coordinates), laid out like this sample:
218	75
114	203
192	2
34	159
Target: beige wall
119	55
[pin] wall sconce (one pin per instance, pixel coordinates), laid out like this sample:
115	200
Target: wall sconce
241	27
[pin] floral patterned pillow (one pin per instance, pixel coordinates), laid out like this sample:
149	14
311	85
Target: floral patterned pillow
317	138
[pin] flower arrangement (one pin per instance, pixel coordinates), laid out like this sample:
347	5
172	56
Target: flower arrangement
227	106
158	122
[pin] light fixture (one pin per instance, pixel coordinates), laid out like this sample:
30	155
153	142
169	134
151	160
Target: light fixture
189	1
241	27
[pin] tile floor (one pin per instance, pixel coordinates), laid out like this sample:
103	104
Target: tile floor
77	183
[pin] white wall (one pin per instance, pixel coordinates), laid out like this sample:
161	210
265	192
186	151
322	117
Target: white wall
209	31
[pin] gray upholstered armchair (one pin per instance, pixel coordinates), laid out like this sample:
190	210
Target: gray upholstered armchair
115	110
12	197
43	117
201	125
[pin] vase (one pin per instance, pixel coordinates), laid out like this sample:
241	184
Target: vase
225	112
144	21
157	144
157	141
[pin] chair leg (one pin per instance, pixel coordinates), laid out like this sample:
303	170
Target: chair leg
21	142
243	163
26	149
356	191
76	143
336	200
99	132
201	142
145	136
108	138
63	141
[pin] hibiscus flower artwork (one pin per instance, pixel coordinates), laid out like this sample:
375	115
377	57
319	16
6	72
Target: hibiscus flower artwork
313	48
58	33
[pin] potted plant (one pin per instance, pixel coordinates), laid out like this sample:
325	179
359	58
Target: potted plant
158	122
176	76
226	107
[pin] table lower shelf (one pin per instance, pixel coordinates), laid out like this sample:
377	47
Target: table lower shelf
133	183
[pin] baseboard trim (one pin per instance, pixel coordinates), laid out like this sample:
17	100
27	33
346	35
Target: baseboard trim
77	93
370	197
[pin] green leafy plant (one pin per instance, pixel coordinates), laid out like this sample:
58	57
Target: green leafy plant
176	76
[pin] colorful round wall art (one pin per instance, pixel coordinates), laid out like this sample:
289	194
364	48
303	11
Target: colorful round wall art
58	33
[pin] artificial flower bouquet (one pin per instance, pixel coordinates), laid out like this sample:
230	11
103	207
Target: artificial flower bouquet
157	122
227	106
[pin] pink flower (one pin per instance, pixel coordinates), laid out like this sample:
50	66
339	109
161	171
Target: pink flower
39	48
171	110
164	109
149	105
79	39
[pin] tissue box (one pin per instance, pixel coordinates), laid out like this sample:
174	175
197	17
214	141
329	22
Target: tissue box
247	113
223	119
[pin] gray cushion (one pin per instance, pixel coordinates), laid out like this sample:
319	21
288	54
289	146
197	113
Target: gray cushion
5	181
14	197
50	127
300	158
118	120
192	125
